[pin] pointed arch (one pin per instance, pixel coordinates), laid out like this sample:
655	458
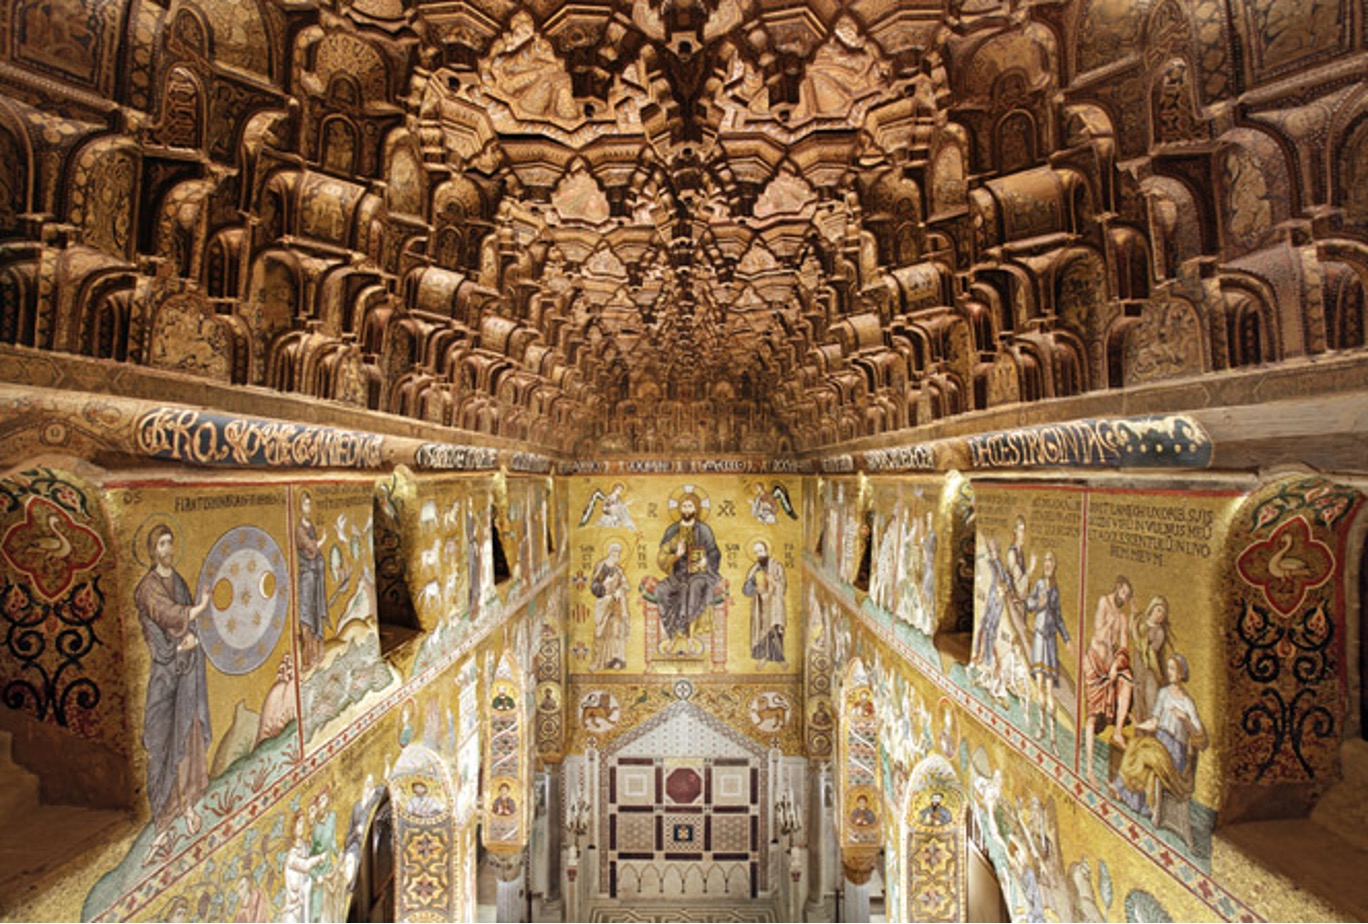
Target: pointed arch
420	792
371	860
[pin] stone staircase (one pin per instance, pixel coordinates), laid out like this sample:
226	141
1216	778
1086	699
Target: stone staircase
37	840
18	787
1318	862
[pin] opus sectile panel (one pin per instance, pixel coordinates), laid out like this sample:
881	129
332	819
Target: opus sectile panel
685	826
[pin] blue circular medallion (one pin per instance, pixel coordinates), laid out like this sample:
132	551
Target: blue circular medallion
248	582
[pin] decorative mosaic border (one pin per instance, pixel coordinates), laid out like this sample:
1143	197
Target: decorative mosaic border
609	910
82	423
1156	441
720	466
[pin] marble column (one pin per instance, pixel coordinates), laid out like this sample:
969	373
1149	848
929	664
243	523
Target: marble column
547	864
510	875
822	836
570	889
554	830
855	902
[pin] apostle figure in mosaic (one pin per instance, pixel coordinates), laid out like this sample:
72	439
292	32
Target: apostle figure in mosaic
766	585
862	816
422	804
935	814
609	587
503	805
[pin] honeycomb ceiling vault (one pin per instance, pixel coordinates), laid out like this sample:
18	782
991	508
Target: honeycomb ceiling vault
614	227
681	188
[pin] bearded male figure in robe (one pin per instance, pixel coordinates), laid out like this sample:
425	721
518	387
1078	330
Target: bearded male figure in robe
766	585
609	586
690	558
1107	669
176	721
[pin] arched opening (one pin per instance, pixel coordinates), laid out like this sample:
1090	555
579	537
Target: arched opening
984	898
1344	300
1246	334
373	896
502	571
110	340
18	310
1116	351
396	617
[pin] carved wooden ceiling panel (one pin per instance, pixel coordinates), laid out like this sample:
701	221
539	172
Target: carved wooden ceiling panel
683	225
679	178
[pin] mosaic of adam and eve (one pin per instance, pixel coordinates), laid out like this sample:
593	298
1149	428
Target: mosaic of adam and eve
692	545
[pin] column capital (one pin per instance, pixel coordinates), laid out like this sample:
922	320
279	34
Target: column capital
507	866
858	863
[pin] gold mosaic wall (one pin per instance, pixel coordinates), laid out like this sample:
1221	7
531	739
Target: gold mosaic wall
269	699
1127	688
657	594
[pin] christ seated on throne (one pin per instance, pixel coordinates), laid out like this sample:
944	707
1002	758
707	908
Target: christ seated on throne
686	618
